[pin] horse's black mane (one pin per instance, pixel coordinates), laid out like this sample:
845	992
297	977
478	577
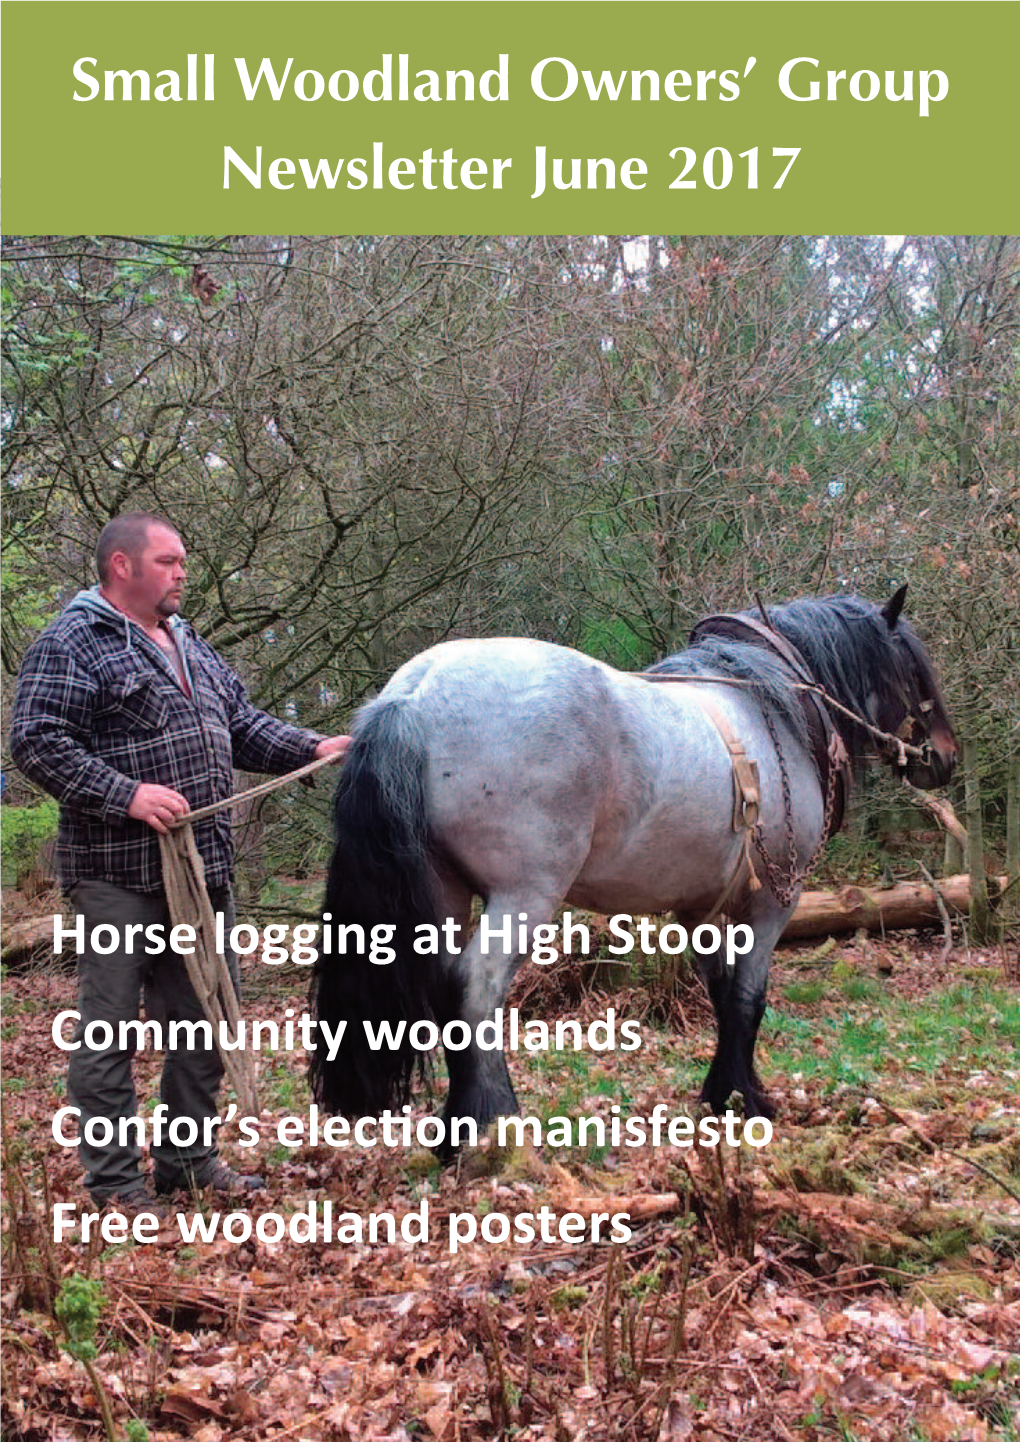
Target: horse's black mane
849	649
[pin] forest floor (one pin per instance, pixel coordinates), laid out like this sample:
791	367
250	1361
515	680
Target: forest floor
858	1277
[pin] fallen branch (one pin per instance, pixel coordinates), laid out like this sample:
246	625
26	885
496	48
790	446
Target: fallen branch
947	923
208	1300
640	1206
932	1147
941	809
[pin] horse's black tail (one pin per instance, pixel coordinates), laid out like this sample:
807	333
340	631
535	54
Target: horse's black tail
380	880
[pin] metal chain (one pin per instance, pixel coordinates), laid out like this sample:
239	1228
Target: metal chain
784	885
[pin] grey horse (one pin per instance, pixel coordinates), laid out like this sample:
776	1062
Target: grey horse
531	776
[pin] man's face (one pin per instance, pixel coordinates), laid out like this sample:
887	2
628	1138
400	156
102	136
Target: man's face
156	583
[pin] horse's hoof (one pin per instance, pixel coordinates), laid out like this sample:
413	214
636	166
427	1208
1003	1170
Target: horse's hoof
762	1108
715	1101
752	1103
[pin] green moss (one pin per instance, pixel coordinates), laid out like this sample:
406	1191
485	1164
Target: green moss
569	1297
949	1291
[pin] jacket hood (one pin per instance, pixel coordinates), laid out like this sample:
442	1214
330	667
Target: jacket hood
94	601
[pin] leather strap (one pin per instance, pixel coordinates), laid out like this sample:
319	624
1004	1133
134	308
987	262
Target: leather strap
746	804
747	783
827	748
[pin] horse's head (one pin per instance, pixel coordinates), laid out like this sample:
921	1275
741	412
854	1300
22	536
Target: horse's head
911	706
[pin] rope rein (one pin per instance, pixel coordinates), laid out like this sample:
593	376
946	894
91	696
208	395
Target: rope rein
263	789
189	905
903	748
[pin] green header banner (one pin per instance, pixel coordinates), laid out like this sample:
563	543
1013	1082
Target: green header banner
441	117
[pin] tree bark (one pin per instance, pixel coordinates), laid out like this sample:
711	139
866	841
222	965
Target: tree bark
952	856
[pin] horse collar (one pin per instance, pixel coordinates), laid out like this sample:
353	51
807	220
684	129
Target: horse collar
732	627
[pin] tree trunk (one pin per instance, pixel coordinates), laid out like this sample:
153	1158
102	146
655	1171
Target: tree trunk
1013	819
1013	839
952	857
981	925
825	913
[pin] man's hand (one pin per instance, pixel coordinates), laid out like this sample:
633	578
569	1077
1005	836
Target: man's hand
157	806
332	746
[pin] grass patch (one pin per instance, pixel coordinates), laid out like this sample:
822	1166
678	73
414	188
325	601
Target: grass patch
804	993
22	1006
861	988
284	1087
282	896
967	1028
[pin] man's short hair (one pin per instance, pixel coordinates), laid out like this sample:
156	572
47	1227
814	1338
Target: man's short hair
128	533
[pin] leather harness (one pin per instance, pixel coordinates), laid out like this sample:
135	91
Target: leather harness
827	748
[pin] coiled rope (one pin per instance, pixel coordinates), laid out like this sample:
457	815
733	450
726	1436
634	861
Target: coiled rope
189	905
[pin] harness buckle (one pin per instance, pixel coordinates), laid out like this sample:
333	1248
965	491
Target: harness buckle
837	750
747	789
746	779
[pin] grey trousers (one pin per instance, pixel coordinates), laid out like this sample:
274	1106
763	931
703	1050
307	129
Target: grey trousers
100	1082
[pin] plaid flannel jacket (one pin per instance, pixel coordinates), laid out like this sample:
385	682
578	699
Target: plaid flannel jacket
98	710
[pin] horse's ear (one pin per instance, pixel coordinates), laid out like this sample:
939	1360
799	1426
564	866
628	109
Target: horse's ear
892	608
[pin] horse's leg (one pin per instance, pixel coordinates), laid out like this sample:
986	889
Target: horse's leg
454	904
738	998
480	1085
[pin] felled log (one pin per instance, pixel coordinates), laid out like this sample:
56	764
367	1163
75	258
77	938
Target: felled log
21	939
911	903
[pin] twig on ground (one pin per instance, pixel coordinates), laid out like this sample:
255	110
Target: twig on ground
930	1146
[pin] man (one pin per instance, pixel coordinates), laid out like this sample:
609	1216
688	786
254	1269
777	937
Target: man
130	720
